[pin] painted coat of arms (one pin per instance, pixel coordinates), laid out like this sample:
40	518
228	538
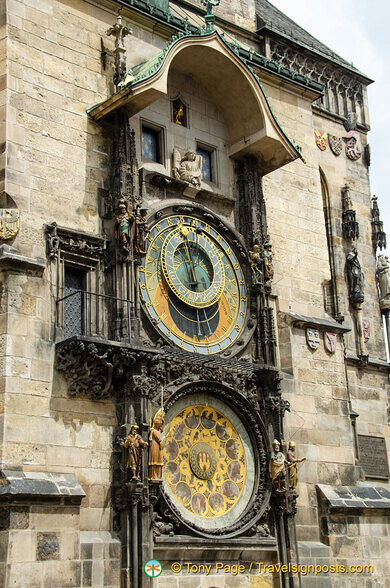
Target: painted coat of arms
313	338
330	342
335	144
352	150
203	461
321	139
9	223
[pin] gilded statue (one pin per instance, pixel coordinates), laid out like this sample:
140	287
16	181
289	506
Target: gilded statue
277	465
155	453
292	467
188	168
135	444
179	115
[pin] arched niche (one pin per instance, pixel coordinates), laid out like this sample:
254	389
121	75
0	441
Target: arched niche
236	91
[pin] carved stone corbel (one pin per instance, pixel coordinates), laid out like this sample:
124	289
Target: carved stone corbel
86	369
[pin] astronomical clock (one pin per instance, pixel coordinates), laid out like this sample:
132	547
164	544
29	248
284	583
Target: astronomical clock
192	284
195	293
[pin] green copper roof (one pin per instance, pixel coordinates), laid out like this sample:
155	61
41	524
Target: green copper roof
159	14
147	69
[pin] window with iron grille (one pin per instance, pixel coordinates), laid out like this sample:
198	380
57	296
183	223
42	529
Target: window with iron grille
74	301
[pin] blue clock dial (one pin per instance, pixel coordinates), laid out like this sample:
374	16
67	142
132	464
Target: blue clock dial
192	285
192	267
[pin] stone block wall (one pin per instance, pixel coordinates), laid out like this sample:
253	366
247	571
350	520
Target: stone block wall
44	547
57	157
56	161
3	94
319	423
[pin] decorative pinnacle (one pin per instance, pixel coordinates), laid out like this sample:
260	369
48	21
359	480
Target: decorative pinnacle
119	31
210	18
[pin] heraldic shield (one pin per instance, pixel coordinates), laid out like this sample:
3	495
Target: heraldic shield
321	139
9	223
335	144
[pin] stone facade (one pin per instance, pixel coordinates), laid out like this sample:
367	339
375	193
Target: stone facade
71	145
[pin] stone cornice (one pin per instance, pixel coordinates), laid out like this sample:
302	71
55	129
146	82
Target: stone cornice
366	361
12	260
303	322
351	499
17	485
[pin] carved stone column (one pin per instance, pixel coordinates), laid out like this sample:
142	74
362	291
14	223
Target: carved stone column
252	224
284	507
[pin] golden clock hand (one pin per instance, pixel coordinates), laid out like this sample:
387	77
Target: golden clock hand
195	285
195	282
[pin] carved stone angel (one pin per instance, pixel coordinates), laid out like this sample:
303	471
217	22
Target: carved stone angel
187	168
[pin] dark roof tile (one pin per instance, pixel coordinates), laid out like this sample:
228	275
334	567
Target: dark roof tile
270	17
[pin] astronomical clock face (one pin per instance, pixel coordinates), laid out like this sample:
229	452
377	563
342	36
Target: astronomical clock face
207	458
193	285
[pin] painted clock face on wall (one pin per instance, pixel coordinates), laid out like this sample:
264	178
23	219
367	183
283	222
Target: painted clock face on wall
192	285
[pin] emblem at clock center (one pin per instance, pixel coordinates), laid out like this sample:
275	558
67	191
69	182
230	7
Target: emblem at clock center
203	461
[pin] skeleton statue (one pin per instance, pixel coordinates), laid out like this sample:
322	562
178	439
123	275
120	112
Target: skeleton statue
256	262
268	262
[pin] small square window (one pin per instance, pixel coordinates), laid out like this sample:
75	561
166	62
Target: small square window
151	144
208	173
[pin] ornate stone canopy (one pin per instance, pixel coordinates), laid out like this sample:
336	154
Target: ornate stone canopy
232	84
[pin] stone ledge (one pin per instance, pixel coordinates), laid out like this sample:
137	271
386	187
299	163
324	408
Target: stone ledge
302	322
185	548
366	361
313	549
158	175
17	484
353	499
11	259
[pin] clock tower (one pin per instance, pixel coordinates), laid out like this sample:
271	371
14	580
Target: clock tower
194	388
193	255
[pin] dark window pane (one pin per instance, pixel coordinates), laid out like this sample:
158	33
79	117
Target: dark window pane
207	174
150	144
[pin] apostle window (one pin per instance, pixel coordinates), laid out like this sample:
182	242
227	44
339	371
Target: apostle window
208	162
152	143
